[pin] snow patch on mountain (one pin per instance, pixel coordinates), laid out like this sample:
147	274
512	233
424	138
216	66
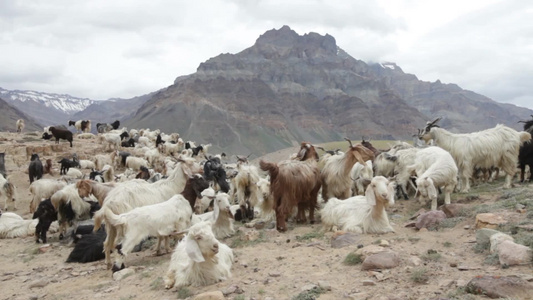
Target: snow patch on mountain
62	102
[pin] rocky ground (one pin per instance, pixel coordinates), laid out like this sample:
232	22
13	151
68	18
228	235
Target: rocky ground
302	263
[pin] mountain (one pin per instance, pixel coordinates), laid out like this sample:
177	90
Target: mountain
10	115
287	88
111	110
46	108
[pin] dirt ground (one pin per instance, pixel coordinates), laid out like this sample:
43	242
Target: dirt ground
275	266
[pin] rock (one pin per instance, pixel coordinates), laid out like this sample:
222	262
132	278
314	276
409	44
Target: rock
423	230
430	219
453	264
216	295
119	275
497	239
453	210
369	250
410	224
34	297
368	283
38	283
512	254
467	227
489	220
415	261
345	239
382	260
500	287
324	285
384	243
418	213
483	235
44	248
251	235
234	289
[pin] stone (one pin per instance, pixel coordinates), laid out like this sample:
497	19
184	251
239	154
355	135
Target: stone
39	283
44	248
497	239
345	239
384	243
119	275
500	287
368	283
512	254
369	250
382	260
415	261
453	210
430	219
489	220
418	213
483	235
234	289
324	285
216	295
251	235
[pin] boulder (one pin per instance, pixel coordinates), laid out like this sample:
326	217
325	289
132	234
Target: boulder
489	220
382	260
500	287
430	219
497	239
483	235
345	239
369	250
512	254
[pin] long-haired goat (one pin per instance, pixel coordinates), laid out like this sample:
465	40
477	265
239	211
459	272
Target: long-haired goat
525	155
35	169
13	225
294	184
199	259
81	125
136	193
362	214
246	189
434	168
98	190
20	125
498	146
193	189
8	192
335	176
221	217
159	219
44	189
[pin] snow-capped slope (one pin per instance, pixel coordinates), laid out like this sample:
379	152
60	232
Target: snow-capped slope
62	102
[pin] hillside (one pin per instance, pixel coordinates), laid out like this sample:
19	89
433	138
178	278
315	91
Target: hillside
11	114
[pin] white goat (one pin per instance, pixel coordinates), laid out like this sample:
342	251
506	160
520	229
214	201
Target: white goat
74	173
246	190
160	219
112	141
44	189
266	208
361	214
135	193
68	196
498	147
86	164
152	156
202	204
221	217
136	163
7	191
199	259
395	164
86	136
434	168
100	160
361	174
13	225
20	125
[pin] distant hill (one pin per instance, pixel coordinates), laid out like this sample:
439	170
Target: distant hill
11	114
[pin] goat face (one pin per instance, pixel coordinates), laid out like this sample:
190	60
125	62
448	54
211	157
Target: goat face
426	133
201	243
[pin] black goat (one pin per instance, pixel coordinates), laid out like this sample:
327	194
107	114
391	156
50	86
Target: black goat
115	124
90	247
128	144
35	169
197	150
47	136
3	164
123	155
193	189
46	214
158	140
214	171
63	134
124	135
525	156
66	164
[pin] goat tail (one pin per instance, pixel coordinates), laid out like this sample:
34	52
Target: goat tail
272	168
524	137
111	218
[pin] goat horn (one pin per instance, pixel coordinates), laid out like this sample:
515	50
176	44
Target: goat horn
349	141
319	147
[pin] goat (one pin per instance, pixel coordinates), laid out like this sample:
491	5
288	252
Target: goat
128	144
335	175
20	125
61	134
136	163
246	189
112	141
294	183
35	169
86	164
205	202
214	171
434	168
144	173
46	136
221	217
525	154
43	189
46	214
3	164
498	146
361	174
66	164
193	189
199	259
82	126
160	219
13	225
124	135
48	167
7	191
99	190
361	214
136	193
394	164
89	248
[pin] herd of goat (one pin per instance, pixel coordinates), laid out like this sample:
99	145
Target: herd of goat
174	189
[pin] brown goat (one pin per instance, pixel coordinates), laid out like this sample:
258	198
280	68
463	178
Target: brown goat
193	189
99	190
294	183
335	175
48	167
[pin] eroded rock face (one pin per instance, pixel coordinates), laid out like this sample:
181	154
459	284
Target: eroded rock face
500	287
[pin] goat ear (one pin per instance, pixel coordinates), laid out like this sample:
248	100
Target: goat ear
193	250
370	195
359	158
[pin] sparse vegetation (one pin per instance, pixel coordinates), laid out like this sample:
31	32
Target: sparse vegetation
157	284
492	259
184	293
310	236
352	259
431	255
238	240
310	294
447	244
450	222
419	275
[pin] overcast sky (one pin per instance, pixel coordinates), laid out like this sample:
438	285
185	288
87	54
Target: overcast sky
103	49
